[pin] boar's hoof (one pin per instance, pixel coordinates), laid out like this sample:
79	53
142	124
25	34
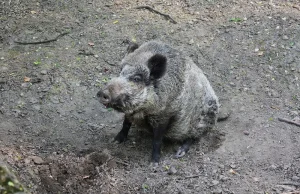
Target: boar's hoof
180	153
121	137
184	148
154	165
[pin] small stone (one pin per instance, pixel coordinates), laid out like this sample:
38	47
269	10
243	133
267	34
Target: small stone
285	37
215	182
37	160
37	107
33	100
273	166
256	179
246	132
256	49
43	72
191	41
232	166
295	178
218	191
27	160
172	170
96	56
223	178
2	58
54	99
232	84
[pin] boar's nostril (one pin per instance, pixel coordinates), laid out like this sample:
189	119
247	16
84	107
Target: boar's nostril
104	98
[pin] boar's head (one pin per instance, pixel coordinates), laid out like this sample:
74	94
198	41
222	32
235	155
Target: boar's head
134	89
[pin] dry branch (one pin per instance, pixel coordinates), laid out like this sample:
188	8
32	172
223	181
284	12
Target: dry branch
157	12
289	121
42	42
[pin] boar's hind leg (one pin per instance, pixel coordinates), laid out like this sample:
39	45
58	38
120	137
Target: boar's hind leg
122	135
184	148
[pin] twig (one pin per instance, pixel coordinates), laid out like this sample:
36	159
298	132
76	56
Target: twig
112	64
45	41
289	121
290	183
155	11
86	53
193	176
120	162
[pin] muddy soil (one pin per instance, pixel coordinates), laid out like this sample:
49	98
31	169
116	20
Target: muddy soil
56	136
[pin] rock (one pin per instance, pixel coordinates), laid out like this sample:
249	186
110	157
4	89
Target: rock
27	160
232	84
273	166
172	170
218	191
37	159
191	42
54	99
285	37
246	132
295	178
33	100
214	182
223	178
255	179
44	72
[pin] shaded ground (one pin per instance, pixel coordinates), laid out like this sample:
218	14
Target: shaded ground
56	136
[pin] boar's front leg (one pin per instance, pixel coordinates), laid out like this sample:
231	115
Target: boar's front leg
122	135
158	133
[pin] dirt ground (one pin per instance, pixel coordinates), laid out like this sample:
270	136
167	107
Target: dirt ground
56	136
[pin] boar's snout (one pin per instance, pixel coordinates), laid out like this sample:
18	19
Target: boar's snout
104	97
111	99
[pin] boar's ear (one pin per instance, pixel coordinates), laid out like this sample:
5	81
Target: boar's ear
157	65
132	47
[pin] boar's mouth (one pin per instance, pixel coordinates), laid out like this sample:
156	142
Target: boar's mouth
119	104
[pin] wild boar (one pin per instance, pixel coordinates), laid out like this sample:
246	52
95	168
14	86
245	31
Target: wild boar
160	87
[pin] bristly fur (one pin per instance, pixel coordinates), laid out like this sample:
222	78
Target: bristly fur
178	90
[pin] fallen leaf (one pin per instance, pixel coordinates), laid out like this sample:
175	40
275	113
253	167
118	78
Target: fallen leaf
260	53
91	44
27	79
232	171
37	160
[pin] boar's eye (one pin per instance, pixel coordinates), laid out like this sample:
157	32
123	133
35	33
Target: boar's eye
136	78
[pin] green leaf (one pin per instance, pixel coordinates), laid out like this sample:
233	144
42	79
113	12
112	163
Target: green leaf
236	19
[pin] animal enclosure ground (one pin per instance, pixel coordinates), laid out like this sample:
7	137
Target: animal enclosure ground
56	136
